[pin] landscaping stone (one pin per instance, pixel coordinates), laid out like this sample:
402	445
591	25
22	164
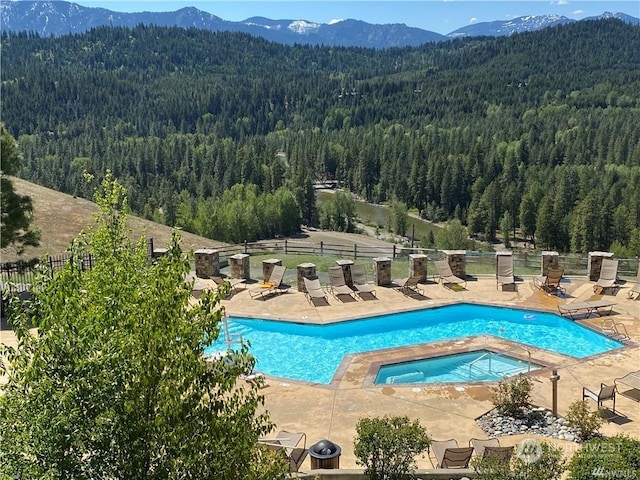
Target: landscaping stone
535	420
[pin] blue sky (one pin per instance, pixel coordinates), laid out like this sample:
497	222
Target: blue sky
442	16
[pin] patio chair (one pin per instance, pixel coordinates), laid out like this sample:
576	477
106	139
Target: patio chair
504	271
607	392
479	444
449	455
608	276
359	278
550	283
338	285
446	276
314	290
636	288
274	286
631	383
292	444
503	454
408	285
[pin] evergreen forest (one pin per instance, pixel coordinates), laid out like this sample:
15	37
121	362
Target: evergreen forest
224	134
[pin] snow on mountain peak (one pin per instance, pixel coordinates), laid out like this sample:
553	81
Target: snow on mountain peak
302	26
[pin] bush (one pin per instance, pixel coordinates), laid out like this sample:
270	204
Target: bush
512	395
585	420
386	447
614	457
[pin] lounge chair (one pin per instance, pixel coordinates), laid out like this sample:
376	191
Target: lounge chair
608	276
449	455
607	392
408	285
479	444
575	309
550	283
359	278
631	381
314	290
446	276
292	444
636	288
338	285
504	271
274	286
503	454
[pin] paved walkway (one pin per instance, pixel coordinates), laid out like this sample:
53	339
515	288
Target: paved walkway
332	411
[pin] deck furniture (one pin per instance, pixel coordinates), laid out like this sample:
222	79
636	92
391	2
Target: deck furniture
606	392
576	309
631	382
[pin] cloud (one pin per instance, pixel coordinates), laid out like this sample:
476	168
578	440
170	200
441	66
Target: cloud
560	2
578	12
473	20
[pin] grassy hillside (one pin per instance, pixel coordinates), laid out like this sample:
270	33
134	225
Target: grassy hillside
62	217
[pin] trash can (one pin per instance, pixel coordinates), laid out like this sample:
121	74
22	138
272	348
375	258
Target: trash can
324	454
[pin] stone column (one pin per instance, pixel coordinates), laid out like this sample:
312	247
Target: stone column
346	271
159	252
267	267
549	260
594	264
457	260
418	265
382	271
240	266
207	263
305	270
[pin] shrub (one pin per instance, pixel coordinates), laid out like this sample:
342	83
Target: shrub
512	395
386	447
535	460
614	457
585	420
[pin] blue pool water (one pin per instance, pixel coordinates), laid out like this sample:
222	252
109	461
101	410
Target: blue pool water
312	353
478	366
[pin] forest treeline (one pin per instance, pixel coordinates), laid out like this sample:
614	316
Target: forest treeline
537	132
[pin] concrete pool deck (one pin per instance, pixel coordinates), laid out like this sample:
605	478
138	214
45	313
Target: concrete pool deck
447	411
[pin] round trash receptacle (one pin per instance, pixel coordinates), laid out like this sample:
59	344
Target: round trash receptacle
324	454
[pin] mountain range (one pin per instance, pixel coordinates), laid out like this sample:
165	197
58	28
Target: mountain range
60	18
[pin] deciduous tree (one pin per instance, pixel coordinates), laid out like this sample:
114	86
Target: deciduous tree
115	383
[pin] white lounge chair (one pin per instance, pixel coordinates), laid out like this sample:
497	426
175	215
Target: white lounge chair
608	276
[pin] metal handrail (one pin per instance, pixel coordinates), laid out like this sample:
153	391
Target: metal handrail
499	354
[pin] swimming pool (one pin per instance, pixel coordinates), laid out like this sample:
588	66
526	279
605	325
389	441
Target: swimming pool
477	366
312	353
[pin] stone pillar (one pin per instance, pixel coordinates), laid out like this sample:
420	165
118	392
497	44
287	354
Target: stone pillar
418	265
346	271
382	271
549	260
207	263
305	270
240	266
594	264
159	252
457	260
267	267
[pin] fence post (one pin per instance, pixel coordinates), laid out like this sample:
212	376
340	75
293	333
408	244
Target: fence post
245	246
394	251
321	248
355	251
285	246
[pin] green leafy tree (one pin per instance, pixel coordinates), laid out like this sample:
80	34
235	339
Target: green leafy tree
386	447
400	218
17	210
115	383
338	213
613	457
453	237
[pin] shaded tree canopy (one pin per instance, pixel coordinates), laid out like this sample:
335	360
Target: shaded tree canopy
17	210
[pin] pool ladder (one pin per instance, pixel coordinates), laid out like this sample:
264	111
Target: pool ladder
501	354
230	338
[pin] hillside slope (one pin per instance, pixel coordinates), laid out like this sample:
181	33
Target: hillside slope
62	217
